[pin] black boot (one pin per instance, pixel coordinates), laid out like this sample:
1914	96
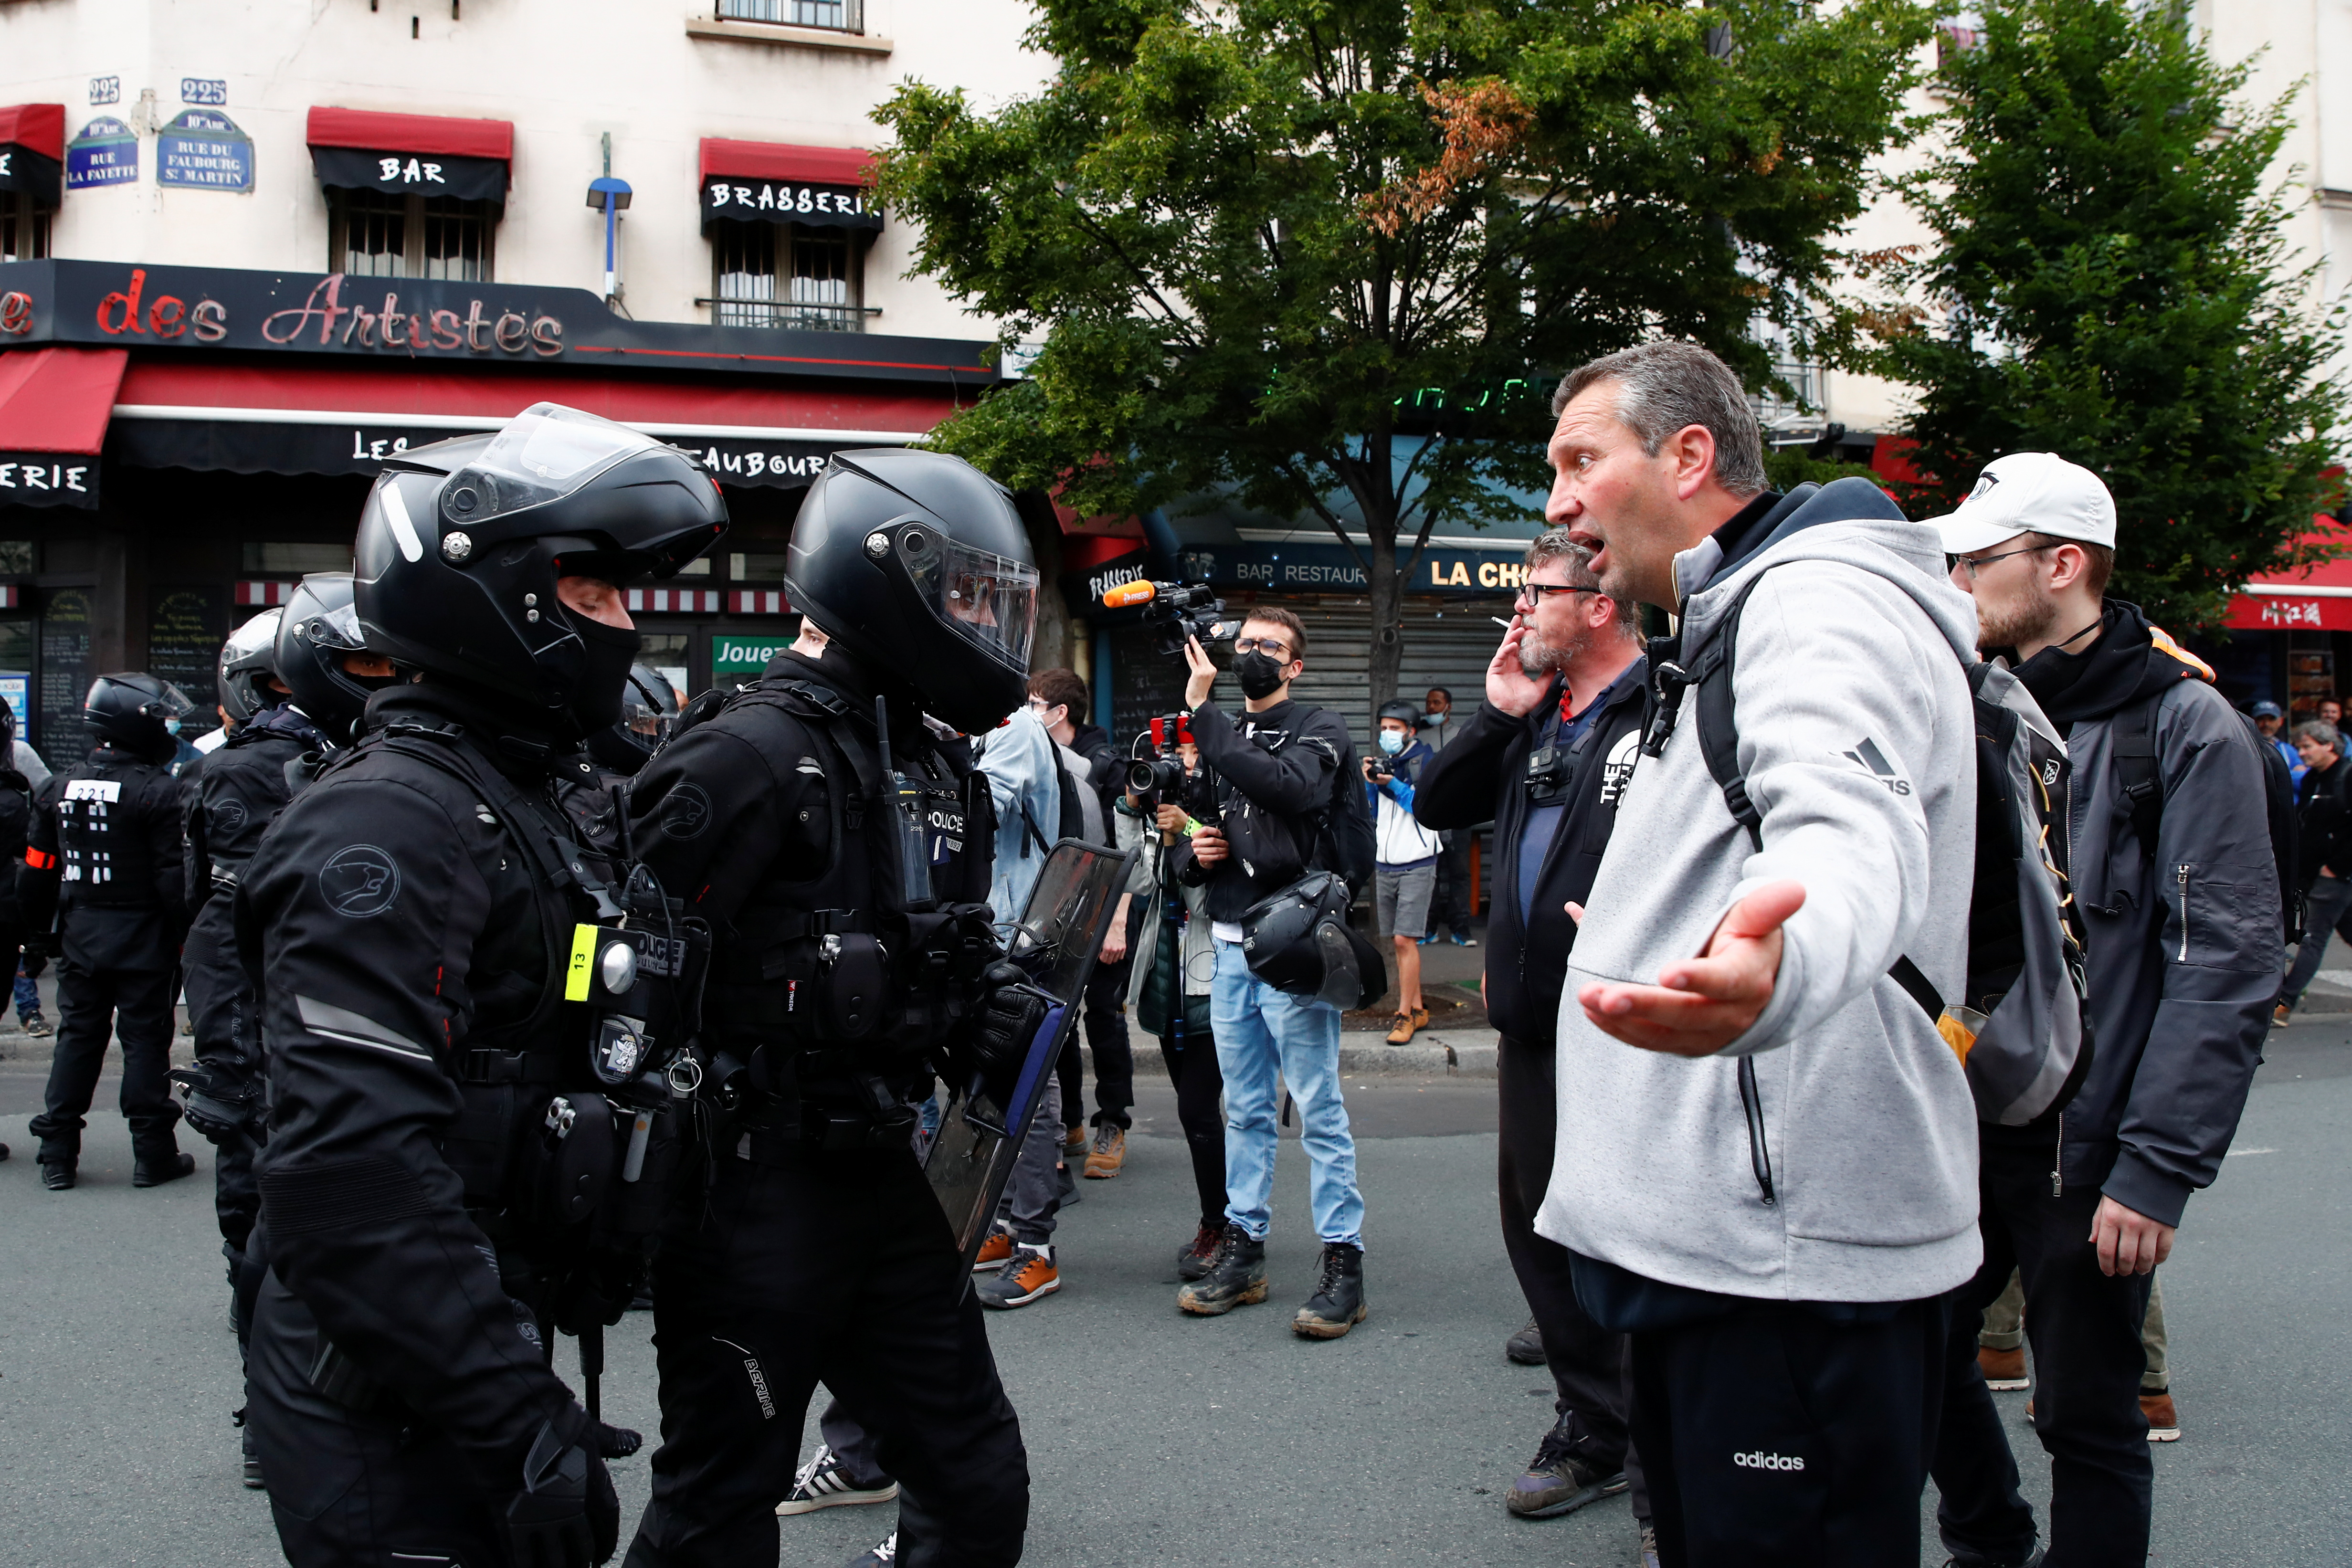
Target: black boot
1338	1303
58	1176
252	1459
1236	1277
163	1168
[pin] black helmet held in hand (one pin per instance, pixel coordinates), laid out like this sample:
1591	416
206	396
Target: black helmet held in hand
320	630
132	711
464	541
918	565
648	709
248	661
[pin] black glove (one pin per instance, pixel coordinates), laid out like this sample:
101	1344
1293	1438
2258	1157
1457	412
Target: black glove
221	1114
567	1514
1008	1019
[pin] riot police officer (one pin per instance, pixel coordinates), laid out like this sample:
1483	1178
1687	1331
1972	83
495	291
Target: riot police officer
107	831
294	682
468	1015
852	941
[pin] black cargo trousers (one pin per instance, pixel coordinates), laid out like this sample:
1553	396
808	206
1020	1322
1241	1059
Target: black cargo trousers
114	981
836	1267
221	1010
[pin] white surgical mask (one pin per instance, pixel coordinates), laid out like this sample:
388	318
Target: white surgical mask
1391	741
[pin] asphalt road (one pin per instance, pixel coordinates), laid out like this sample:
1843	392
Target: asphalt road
1157	1439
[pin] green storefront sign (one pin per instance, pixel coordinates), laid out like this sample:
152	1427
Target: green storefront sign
737	659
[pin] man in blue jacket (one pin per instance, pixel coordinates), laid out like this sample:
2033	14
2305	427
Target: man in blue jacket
2172	866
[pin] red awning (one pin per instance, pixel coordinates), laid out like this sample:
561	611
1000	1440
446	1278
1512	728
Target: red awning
39	126
775	161
431	134
2316	599
179	390
58	399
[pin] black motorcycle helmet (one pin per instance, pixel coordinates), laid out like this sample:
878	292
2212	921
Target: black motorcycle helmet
1408	711
321	625
248	661
915	562
130	710
463	541
648	709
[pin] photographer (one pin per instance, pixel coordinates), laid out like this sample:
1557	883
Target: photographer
1274	771
1405	870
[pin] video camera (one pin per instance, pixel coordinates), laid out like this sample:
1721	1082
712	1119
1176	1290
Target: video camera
1179	611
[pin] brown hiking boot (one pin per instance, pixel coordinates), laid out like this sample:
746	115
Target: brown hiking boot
1402	1033
1199	1254
2005	1370
1108	1154
2163	1418
1074	1142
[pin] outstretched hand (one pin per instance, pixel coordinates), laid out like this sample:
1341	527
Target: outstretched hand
1508	685
1701	1004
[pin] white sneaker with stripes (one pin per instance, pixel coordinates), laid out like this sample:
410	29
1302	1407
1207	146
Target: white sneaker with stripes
823	1482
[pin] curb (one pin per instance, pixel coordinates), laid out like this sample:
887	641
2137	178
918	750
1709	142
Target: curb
1369	1056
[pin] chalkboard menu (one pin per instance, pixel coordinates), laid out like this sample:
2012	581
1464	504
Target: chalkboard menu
65	676
184	631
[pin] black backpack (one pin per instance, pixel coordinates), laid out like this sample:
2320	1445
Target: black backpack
1344	840
2134	744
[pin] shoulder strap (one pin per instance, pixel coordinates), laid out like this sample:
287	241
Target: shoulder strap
2132	744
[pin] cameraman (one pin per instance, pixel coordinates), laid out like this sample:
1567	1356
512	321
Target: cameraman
1273	775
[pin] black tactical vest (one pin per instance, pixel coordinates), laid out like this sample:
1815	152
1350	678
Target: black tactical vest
104	848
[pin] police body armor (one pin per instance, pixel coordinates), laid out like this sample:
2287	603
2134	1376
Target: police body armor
578	1109
107	866
833	1000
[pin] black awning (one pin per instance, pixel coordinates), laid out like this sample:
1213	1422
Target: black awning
806	203
48	479
35	174
240	446
410	173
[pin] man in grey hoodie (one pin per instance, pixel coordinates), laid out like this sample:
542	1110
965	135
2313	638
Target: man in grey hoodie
1766	1166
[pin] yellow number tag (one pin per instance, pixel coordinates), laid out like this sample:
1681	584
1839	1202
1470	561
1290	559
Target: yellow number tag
583	963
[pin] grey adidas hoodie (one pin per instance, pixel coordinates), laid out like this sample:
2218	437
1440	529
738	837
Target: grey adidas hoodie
1856	740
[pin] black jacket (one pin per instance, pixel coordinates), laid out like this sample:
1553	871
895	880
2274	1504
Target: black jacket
2184	946
1482	775
1108	764
134	918
392	925
2324	823
1273	772
15	833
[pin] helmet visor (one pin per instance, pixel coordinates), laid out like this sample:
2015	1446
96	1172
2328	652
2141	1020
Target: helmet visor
255	636
988	600
543	454
172	702
333	626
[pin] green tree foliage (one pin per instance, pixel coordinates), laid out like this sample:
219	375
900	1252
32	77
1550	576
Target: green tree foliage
1257	239
2115	288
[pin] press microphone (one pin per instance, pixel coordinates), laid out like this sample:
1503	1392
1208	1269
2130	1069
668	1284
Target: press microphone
1139	591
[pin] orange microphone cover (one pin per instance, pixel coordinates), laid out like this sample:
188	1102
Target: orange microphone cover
1127	593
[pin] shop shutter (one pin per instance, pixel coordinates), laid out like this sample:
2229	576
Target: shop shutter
1448	642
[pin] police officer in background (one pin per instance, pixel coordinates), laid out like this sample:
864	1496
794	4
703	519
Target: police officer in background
840	968
448	1114
109	831
294	683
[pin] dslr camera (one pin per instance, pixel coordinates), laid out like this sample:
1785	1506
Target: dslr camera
1160	777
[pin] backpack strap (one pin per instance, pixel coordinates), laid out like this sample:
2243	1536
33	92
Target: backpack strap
2132	744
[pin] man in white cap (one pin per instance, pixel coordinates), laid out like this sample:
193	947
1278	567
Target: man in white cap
2172	867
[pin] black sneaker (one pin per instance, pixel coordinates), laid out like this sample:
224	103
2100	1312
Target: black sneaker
155	1173
58	1176
1236	1277
35	1024
883	1556
1338	1303
252	1460
2032	1559
1525	1348
1564	1475
1199	1254
824	1482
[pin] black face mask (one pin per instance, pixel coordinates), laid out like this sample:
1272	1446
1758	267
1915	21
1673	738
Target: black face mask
1259	675
604	677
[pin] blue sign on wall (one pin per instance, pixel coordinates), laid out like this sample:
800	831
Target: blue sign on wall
105	154
204	149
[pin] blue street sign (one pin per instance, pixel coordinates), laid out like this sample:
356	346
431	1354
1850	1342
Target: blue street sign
105	154
204	149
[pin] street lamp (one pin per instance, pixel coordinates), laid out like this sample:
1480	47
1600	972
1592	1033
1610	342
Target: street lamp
610	197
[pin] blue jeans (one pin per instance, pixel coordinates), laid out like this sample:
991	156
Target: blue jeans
1261	1031
28	995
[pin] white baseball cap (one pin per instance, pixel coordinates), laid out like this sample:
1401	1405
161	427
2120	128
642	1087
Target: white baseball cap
2030	492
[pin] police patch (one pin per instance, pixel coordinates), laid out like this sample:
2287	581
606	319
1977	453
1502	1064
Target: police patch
686	813
228	816
360	882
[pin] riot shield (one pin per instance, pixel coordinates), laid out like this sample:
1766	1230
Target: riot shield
1059	933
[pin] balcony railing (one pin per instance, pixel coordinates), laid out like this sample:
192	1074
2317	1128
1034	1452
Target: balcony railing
834	16
783	315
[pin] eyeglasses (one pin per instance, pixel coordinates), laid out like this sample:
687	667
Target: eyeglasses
1977	563
1533	592
1279	652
